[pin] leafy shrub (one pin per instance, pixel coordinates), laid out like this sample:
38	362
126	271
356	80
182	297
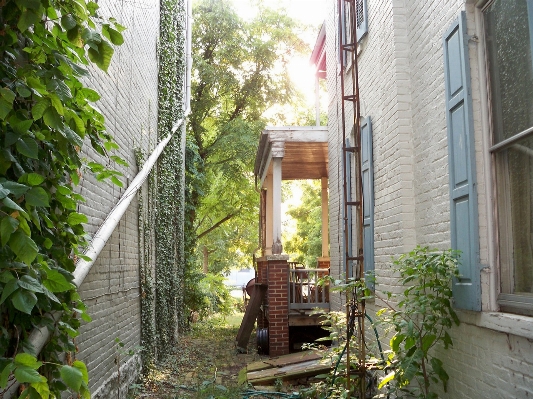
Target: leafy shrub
420	321
46	116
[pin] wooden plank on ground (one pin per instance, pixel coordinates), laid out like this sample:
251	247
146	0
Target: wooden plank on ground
290	372
294	358
284	360
293	366
248	321
287	367
256	366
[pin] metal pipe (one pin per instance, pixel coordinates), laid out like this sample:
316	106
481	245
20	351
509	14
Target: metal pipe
106	229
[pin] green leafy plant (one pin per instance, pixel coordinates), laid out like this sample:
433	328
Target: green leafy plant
420	321
234	81
46	116
334	384
169	216
218	296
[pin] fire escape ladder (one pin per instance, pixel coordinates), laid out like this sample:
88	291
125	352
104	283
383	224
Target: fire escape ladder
352	190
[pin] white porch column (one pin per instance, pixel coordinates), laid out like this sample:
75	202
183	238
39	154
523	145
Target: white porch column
277	247
268	216
325	220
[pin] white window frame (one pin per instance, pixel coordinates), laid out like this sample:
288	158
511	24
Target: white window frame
521	305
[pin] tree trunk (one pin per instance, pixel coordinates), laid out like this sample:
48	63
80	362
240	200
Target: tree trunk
205	259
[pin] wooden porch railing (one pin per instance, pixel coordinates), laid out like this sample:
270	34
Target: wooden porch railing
304	292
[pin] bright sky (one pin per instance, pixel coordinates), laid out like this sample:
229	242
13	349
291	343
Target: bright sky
309	12
312	12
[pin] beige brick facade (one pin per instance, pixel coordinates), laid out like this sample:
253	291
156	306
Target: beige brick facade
401	82
111	290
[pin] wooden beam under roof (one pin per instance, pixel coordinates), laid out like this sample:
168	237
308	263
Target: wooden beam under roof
304	150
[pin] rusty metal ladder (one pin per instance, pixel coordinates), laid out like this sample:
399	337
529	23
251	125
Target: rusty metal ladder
352	193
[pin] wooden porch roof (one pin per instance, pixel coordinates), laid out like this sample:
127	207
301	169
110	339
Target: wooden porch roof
304	150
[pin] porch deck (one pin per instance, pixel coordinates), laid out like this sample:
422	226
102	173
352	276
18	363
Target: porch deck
308	292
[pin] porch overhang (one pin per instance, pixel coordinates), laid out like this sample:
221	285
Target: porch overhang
288	153
303	150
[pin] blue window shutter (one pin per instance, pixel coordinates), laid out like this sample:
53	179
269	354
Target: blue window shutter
367	174
348	166
361	19
461	162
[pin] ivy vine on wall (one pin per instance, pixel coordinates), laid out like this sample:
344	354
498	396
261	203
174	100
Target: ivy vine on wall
170	186
46	116
146	222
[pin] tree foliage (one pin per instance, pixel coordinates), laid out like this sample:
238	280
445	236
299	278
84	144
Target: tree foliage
46	116
305	244
239	72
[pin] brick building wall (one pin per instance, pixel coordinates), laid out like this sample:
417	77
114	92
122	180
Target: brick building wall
111	289
273	270
401	81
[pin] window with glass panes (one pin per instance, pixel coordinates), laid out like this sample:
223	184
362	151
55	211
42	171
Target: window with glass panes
508	28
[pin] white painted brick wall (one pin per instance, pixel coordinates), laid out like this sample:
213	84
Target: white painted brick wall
129	104
401	80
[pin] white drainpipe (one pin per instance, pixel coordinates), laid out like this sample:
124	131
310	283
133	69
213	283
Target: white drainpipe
39	336
106	229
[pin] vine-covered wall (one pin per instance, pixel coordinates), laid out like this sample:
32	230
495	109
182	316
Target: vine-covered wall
170	190
66	128
146	197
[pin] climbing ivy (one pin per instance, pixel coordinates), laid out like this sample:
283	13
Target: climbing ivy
46	116
169	219
145	212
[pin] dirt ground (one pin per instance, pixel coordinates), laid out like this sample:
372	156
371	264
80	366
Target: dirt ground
204	364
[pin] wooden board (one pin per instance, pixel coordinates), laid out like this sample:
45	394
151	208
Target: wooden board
248	321
288	367
284	360
294	366
290	372
294	358
306	320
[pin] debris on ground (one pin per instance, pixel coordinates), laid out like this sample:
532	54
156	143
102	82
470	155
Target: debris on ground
205	363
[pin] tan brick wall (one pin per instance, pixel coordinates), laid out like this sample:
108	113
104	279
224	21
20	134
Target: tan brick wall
401	80
111	289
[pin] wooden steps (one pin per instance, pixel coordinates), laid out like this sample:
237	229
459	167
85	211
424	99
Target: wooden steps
248	321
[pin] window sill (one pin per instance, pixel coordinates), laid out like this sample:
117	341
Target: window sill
508	323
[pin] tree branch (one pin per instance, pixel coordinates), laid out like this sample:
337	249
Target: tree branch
217	224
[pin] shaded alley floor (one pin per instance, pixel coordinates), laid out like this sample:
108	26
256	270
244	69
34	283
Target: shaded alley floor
204	364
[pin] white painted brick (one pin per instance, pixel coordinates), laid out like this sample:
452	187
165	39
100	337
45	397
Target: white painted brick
401	80
128	102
